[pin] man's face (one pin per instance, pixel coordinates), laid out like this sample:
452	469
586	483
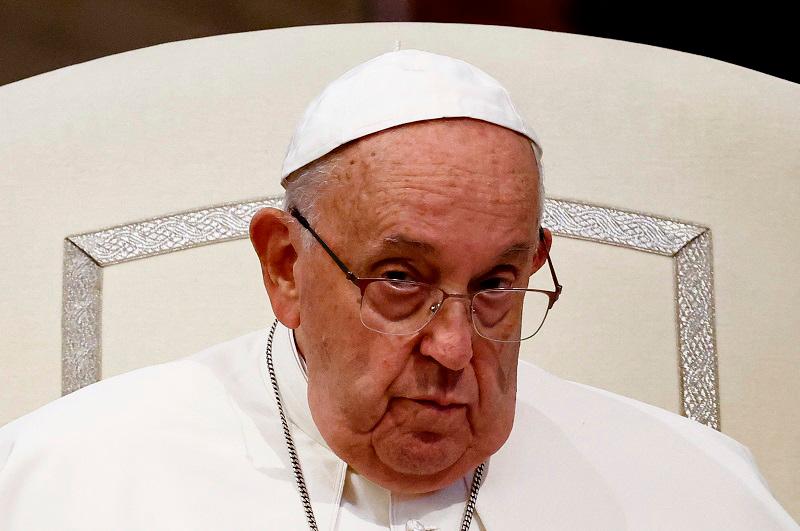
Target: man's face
447	202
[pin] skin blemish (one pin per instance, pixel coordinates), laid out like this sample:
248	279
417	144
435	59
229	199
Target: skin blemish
502	380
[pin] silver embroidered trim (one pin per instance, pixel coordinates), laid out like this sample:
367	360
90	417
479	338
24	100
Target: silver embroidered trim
696	338
618	227
80	320
86	254
689	244
171	233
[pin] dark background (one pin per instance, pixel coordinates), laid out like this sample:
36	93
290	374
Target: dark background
39	35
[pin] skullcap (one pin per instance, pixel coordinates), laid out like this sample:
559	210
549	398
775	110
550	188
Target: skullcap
398	88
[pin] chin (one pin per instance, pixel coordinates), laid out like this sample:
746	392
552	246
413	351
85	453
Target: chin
419	462
420	483
420	453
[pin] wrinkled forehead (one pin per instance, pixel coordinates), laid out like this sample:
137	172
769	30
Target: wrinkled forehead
464	170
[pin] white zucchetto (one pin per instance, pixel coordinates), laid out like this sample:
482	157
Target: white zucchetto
398	88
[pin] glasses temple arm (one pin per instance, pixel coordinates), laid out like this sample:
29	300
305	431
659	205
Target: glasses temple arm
550	263
304	222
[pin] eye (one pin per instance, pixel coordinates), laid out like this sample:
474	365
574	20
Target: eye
396	274
496	282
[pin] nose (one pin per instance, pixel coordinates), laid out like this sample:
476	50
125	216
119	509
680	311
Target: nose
448	337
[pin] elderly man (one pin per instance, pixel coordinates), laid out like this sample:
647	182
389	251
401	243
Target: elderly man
389	394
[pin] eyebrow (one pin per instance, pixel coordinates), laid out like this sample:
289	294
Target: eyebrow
402	242
516	250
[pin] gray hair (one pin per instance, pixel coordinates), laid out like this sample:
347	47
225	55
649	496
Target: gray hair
305	185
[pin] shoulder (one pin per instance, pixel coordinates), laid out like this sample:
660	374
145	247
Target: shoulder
152	444
148	406
642	459
578	408
130	397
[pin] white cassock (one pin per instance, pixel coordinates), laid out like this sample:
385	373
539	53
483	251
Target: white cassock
197	444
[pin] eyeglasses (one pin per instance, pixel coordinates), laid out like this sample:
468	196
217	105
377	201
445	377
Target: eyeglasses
404	307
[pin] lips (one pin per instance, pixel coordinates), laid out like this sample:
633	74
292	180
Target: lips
436	404
417	415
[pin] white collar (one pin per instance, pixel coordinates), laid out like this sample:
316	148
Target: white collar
323	471
293	382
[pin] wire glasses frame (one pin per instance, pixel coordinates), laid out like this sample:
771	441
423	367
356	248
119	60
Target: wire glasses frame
364	284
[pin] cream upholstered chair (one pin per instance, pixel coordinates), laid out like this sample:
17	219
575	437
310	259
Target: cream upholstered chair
189	137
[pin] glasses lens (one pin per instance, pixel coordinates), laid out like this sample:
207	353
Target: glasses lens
398	307
509	315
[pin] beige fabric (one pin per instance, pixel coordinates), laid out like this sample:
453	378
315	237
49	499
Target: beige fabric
200	122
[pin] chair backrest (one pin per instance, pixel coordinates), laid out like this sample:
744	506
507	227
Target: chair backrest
651	156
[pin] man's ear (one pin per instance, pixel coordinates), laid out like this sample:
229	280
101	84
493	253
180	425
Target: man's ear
270	234
545	241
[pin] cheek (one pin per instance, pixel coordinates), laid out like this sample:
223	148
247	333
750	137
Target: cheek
329	310
351	374
496	374
373	371
506	373
496	367
328	304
